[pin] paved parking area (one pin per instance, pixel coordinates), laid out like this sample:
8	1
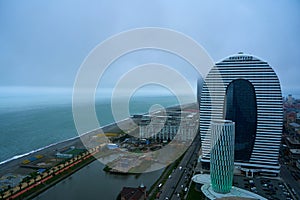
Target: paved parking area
266	187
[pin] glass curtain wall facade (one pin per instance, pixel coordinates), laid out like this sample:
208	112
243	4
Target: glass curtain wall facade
250	95
240	107
222	155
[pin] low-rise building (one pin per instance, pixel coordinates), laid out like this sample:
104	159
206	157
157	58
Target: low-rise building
63	155
130	193
294	155
179	124
292	143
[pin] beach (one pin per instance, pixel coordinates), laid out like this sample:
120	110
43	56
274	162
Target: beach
66	157
14	166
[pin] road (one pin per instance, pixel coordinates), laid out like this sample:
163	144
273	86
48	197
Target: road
286	175
180	176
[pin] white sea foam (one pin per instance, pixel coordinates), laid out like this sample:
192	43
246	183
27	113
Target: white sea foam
36	150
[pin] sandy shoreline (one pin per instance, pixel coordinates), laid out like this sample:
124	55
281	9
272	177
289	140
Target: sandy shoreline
13	166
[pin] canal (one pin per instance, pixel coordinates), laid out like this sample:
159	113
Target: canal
91	183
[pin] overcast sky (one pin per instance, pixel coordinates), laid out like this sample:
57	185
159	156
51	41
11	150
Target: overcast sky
43	43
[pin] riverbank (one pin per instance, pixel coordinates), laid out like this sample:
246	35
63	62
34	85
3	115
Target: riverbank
39	170
67	173
40	167
92	183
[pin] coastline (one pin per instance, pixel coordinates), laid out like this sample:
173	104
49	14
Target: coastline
24	155
111	127
16	165
11	165
29	182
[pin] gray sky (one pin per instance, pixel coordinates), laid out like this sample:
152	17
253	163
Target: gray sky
43	43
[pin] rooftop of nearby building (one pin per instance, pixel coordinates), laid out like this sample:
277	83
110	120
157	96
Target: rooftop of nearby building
293	141
130	193
295	125
295	151
201	178
235	193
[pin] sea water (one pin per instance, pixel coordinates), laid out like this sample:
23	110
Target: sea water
32	119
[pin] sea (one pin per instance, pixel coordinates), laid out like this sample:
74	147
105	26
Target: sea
34	118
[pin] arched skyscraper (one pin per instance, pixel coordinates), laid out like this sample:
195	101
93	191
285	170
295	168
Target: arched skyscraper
246	90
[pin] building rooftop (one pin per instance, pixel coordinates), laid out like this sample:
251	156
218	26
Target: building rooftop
292	141
129	193
235	193
294	124
201	178
295	151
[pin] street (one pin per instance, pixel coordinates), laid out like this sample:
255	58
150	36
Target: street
178	181
286	175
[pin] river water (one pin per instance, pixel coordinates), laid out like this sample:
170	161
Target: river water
92	183
34	119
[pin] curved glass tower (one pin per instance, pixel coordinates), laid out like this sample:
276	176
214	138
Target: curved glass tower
222	155
246	90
